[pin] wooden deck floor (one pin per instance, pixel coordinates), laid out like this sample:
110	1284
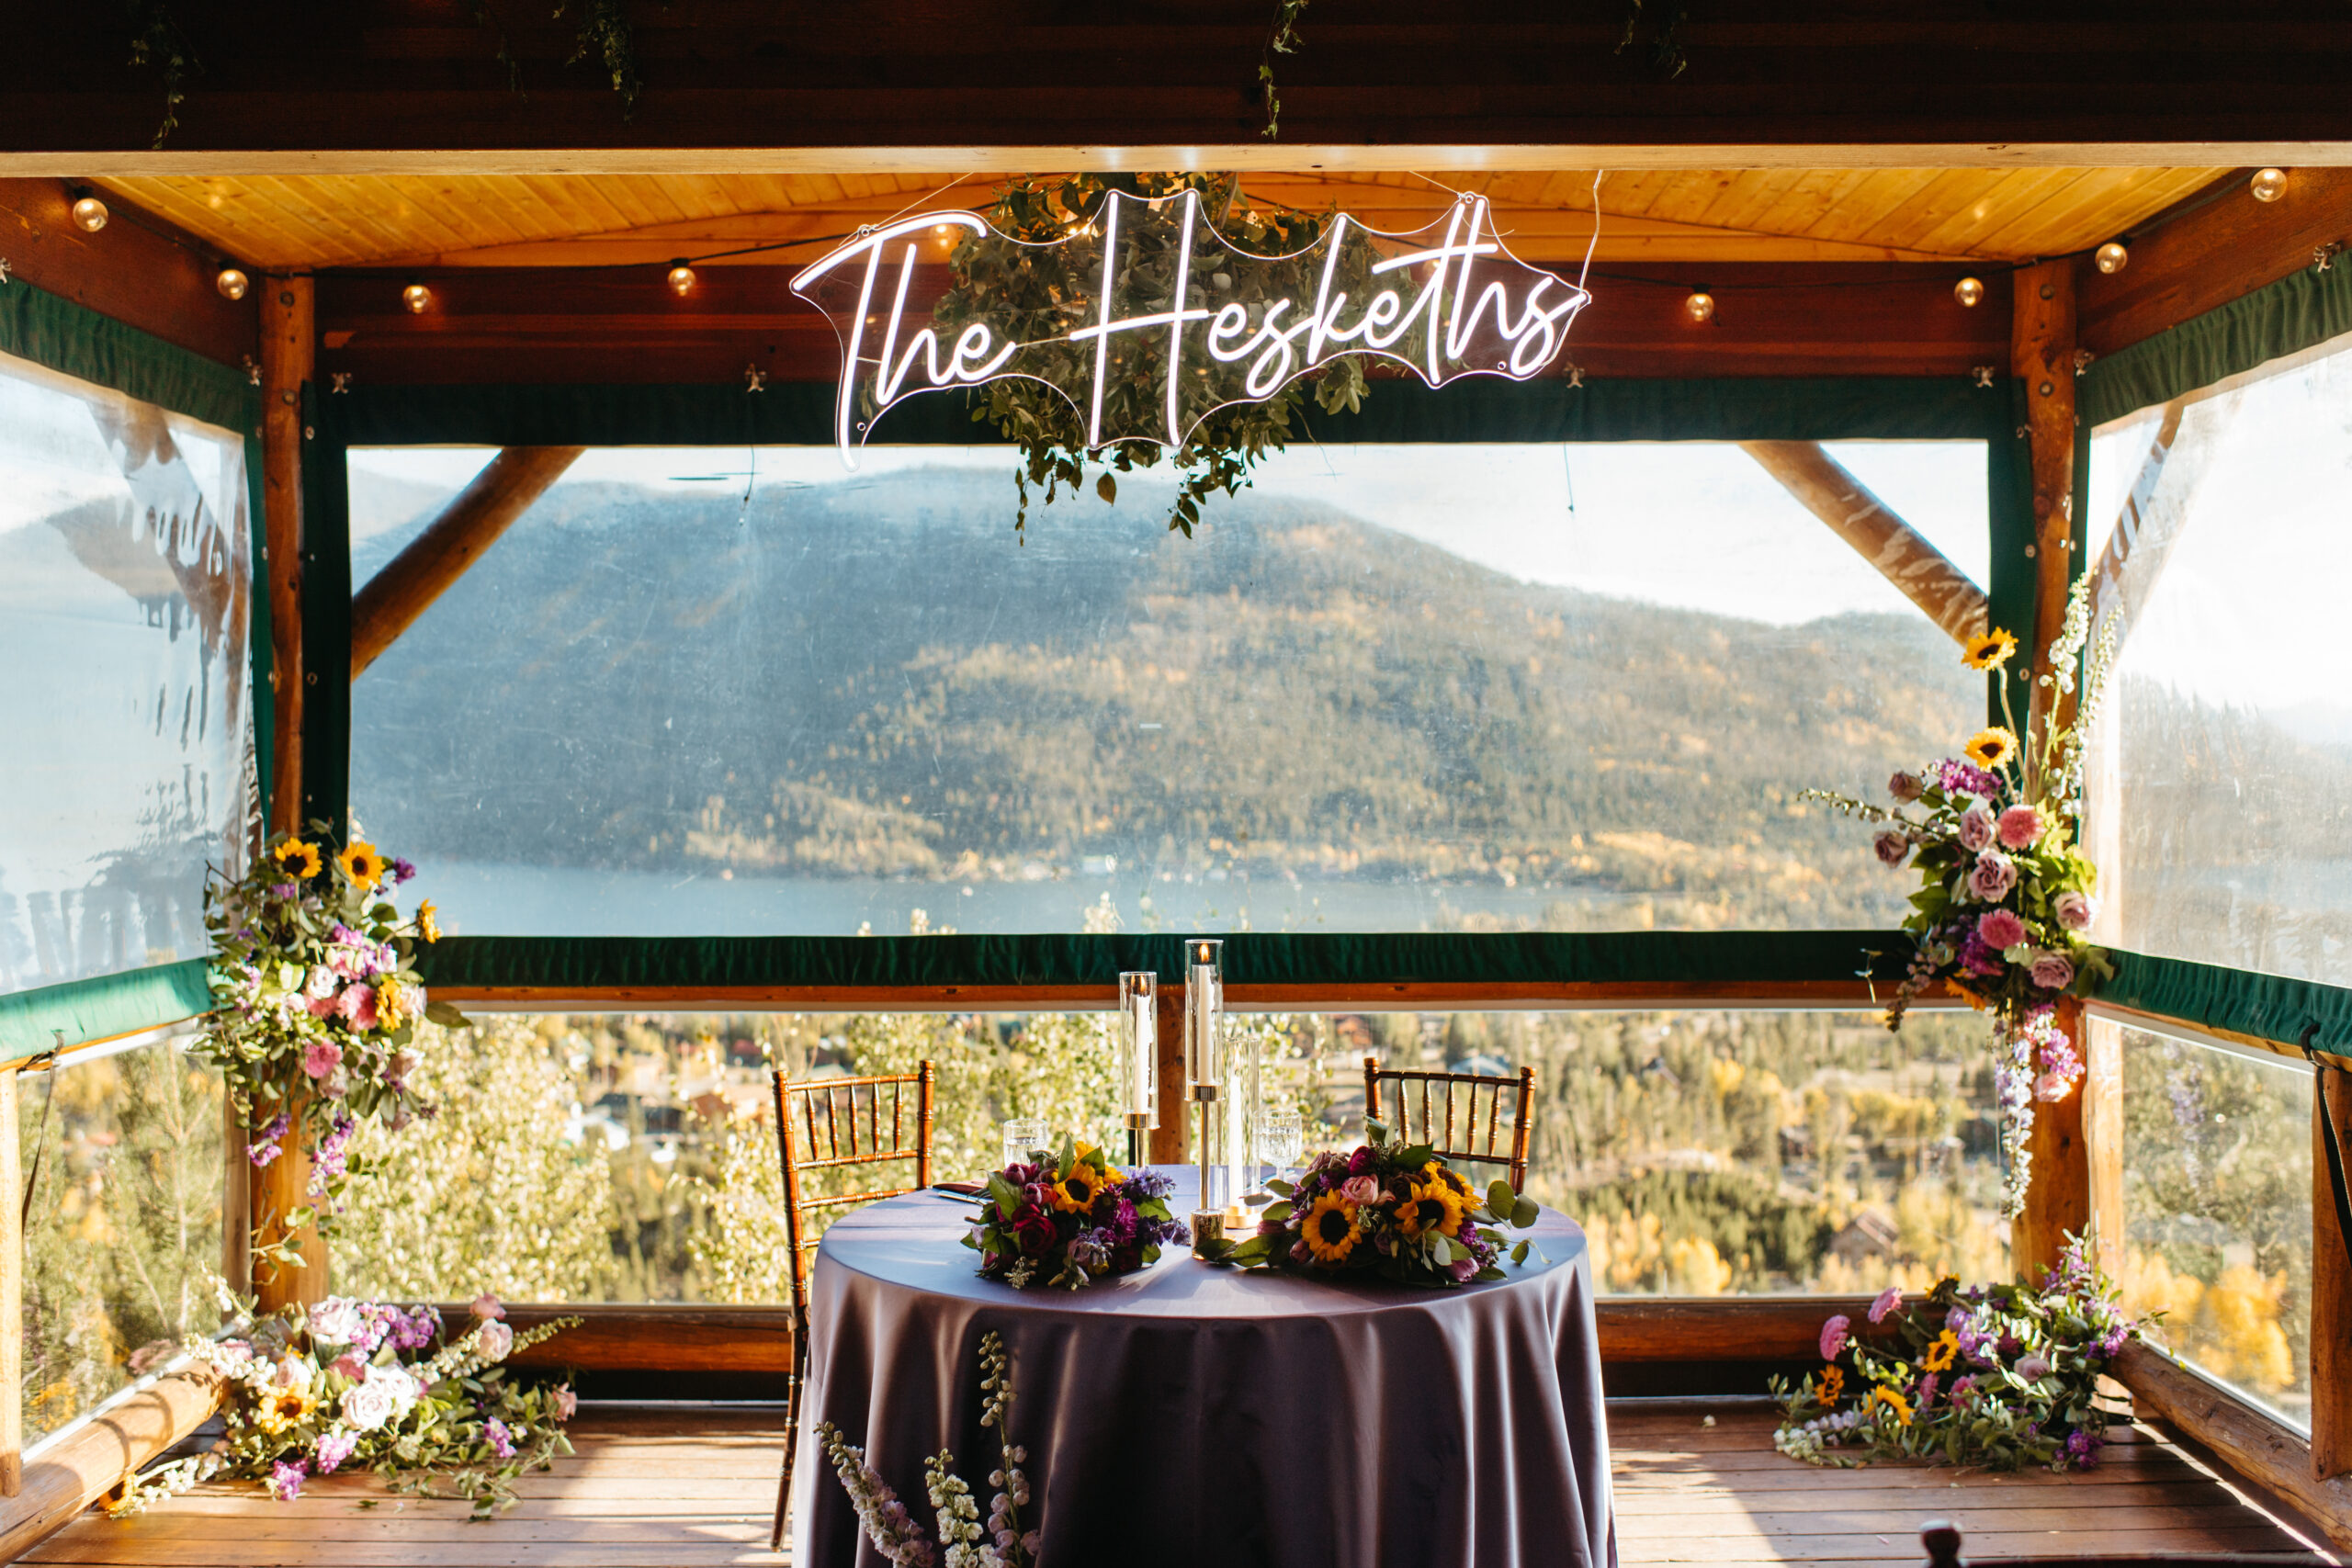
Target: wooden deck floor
688	1488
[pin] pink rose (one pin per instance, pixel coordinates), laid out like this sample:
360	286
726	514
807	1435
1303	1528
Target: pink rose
1888	1300
1993	877
564	1403
1904	786
2053	972
1833	1336
2000	930
1892	848
2074	910
326	1007
2018	827
486	1305
1359	1190
1975	828
321	1057
348	1365
2051	1088
359	1005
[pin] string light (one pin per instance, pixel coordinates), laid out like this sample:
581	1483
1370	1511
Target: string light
2111	256
1699	307
90	214
231	283
1969	291
682	279
2267	185
416	297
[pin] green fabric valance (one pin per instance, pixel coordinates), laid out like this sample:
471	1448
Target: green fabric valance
101	1008
54	331
2269	1007
2303	309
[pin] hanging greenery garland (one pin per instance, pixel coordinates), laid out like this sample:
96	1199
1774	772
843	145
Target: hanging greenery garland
1027	290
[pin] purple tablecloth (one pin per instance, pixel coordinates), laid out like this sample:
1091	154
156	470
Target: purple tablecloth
1201	1417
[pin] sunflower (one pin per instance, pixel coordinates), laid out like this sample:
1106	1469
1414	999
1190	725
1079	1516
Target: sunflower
426	926
1938	1356
282	1407
1434	1205
1989	650
390	999
1833	1384
1990	748
1080	1185
363	863
1434	1171
1331	1229
299	857
1893	1401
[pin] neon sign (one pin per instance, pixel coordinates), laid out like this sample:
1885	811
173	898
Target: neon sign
1168	305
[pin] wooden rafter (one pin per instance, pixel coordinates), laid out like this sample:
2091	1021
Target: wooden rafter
1900	552
411	580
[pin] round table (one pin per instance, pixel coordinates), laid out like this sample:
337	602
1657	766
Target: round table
1194	1416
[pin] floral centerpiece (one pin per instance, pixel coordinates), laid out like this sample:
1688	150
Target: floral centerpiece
316	1001
350	1384
1001	1542
2006	895
1071	1220
2002	1376
1391	1210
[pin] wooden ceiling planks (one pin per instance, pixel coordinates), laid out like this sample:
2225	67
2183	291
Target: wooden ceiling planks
1699	215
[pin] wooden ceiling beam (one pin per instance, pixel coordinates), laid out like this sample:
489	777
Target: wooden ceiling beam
138	270
1901	554
451	543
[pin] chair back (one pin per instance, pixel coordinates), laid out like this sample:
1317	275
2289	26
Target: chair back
827	1124
1443	1111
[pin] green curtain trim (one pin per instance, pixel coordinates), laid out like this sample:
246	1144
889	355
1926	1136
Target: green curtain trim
1481	410
54	331
2269	1007
2305	307
102	1007
1251	958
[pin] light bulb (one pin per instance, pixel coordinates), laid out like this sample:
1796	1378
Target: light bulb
90	213
1969	291
681	279
416	297
2267	185
1699	307
231	283
2111	256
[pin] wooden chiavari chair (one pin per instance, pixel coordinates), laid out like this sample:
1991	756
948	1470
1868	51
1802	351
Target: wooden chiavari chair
1426	1112
827	1125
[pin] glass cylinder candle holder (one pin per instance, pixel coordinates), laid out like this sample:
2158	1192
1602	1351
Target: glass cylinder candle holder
1243	1103
1136	1070
1204	1011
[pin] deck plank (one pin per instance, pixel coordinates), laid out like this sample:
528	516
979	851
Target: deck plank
691	1487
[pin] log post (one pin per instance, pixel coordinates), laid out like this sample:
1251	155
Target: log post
279	1188
288	339
2331	1333
1171	1140
451	543
12	1295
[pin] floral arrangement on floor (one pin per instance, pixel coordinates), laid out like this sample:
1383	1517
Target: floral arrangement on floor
1073	1220
315	1004
1000	1543
1392	1210
2005	894
2002	1376
353	1384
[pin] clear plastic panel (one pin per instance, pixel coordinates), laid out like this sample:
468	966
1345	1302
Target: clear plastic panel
124	579
2223	782
2217	1202
716	691
122	1158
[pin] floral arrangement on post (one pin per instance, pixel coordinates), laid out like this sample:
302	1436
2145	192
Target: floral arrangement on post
2002	1376
1071	1220
352	1384
315	1005
2006	895
1001	1542
1390	1208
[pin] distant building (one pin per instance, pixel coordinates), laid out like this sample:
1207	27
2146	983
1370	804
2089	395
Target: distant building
1868	1234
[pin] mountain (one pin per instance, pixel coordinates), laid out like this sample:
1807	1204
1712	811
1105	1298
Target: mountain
872	678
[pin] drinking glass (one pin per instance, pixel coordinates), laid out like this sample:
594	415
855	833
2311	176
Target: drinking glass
1024	1135
1281	1138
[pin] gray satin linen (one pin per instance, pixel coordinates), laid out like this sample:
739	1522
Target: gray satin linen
1199	1417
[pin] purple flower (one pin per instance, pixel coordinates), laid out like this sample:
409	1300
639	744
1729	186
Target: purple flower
1892	848
2074	910
1975	828
285	1480
1361	1162
1975	958
2083	1449
2053	972
501	1441
1833	1336
401	872
1888	1300
1904	786
1926	1391
263	1147
2000	930
1462	1269
2018	827
332	1451
1994	876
